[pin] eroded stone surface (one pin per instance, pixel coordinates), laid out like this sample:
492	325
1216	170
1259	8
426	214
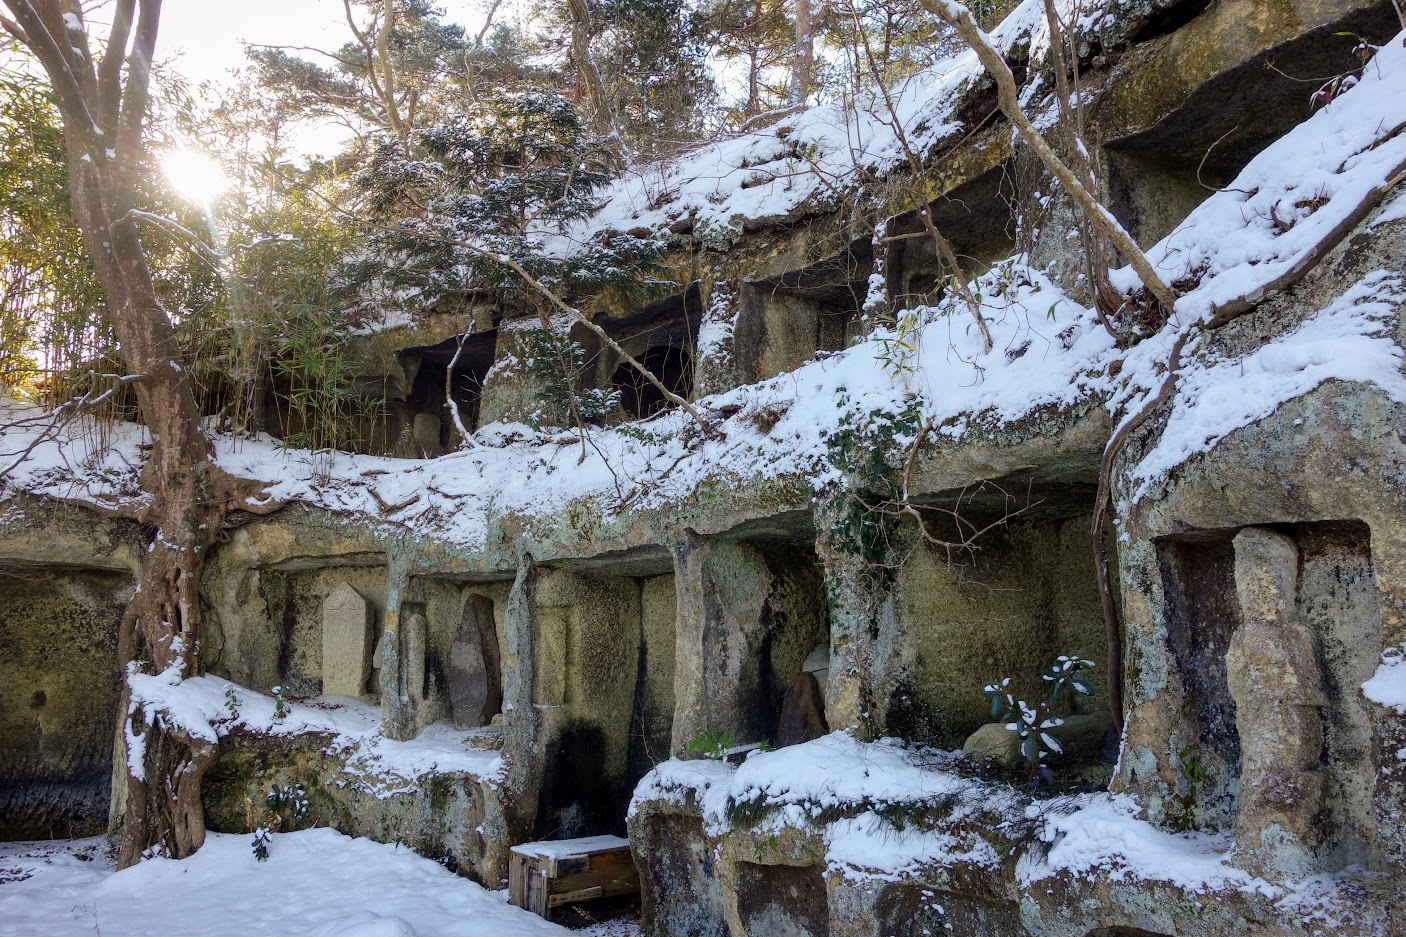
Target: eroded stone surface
347	622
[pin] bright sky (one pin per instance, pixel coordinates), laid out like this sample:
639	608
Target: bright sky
206	37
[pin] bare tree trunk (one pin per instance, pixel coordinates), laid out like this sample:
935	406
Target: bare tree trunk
803	64
383	52
602	117
186	494
754	96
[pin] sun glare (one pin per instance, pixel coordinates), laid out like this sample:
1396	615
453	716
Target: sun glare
196	175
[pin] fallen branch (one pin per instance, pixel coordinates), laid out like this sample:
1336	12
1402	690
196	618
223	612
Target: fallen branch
960	18
1222	315
1113	625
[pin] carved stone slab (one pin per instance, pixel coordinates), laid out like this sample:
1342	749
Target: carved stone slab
475	681
347	620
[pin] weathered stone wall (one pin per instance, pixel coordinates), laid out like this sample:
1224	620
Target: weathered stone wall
1026	596
65	578
441	820
59	696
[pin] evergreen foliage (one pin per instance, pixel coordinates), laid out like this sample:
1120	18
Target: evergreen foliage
501	181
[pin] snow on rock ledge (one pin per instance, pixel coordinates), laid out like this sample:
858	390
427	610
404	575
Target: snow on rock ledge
352	729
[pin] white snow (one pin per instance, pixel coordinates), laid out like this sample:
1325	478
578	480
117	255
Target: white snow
833	771
1049	354
351	727
1103	836
316	883
1387	687
800	784
1238	242
1349	340
811	160
1290	196
566	848
869	848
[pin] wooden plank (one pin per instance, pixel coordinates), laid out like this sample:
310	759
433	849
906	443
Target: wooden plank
538	893
518	867
575	864
581	894
614	873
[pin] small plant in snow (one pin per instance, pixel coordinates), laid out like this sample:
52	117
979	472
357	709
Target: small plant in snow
1364	51
290	802
231	702
712	743
1031	722
261	844
280	705
285	805
643	436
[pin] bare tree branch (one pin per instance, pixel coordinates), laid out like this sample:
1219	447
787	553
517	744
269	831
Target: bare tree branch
960	18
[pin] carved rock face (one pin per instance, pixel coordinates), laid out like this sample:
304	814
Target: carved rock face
475	685
346	642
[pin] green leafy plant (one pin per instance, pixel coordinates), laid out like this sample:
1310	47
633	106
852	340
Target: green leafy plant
280	705
1032	722
284	806
712	743
866	447
231	702
558	362
641	435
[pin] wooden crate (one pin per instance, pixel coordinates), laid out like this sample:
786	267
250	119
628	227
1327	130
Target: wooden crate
543	875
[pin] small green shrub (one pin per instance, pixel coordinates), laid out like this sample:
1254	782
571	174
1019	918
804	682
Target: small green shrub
1030	722
712	743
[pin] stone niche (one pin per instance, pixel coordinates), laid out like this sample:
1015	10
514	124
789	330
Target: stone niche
1271	632
784	320
463	670
425	425
1158	175
59	691
756	620
662	336
282	638
398	409
977	218
603	685
1025	596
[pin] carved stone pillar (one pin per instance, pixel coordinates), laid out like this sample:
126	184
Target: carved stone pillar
722	593
1274	677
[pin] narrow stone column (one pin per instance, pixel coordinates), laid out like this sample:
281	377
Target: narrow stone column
397	717
722	591
1274	677
715	362
858	611
511	809
414	646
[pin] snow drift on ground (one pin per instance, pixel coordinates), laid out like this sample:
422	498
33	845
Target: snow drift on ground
316	883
